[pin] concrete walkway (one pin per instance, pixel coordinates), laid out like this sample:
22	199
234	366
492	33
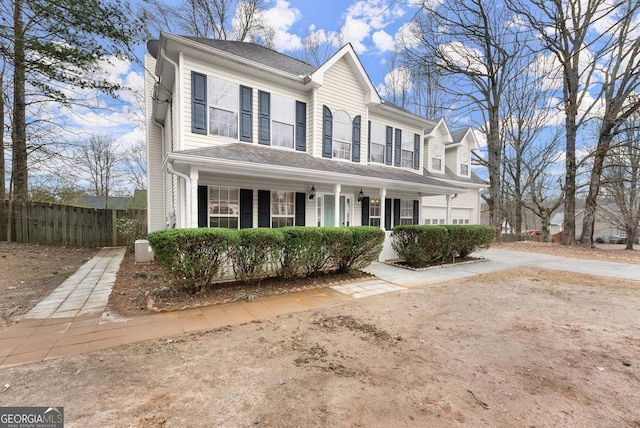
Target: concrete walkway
86	292
68	322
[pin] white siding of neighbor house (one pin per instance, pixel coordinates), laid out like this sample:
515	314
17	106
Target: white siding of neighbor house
155	205
341	90
191	140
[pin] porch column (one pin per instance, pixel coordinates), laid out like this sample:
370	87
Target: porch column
383	195
336	212
448	215
192	196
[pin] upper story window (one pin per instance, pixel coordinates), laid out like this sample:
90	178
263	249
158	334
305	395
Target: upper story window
465	162
378	143
436	157
407	145
342	134
223	107
283	120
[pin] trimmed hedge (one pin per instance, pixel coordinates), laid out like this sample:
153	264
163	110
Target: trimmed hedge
254	251
304	251
193	257
421	245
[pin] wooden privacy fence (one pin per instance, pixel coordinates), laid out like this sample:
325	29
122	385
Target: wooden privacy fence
45	223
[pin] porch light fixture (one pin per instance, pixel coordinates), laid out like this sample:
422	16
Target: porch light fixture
312	192
360	196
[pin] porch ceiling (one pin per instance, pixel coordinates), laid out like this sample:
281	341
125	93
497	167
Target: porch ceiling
252	160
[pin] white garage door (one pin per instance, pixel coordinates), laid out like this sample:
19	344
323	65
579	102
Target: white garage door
461	215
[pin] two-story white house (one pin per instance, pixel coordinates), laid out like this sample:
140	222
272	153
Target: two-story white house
241	136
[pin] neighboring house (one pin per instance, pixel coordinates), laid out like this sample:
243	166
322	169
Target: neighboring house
241	136
138	200
604	227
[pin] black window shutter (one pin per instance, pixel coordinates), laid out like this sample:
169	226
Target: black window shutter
327	132
355	139
398	152
365	211
264	118
301	126
246	208
264	208
389	146
203	206
416	151
301	199
246	114
387	214
416	211
396	212
369	143
198	103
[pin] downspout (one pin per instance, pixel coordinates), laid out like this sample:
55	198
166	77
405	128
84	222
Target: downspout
187	185
187	179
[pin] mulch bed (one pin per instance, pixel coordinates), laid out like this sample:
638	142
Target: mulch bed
145	288
433	265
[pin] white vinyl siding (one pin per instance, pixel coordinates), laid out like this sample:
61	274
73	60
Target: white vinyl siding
341	90
155	177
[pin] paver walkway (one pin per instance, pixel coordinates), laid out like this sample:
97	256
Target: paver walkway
68	322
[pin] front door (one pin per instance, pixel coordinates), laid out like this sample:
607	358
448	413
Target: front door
327	210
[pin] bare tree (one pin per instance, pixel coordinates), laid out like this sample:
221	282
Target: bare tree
473	43
96	162
620	68
240	20
526	118
621	181
134	165
318	46
566	29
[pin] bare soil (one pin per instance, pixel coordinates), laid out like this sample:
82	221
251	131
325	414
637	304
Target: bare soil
526	347
29	272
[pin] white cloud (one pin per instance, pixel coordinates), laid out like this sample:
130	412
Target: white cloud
383	41
364	17
281	18
396	82
464	56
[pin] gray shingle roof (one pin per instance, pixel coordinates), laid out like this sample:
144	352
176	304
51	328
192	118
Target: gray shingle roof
458	134
262	155
258	54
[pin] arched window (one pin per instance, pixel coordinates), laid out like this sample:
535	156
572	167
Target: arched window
342	135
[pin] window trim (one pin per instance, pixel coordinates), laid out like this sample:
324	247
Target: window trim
464	159
403	210
349	134
291	216
227	216
432	157
379	209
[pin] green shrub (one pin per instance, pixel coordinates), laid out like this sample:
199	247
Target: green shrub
303	253
600	240
193	257
465	239
254	251
366	245
338	241
419	245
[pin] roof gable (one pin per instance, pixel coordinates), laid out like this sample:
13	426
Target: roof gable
349	55
440	128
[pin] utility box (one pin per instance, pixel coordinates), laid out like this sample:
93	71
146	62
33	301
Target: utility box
144	253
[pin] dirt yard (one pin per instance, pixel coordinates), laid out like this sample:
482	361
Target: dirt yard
529	347
29	272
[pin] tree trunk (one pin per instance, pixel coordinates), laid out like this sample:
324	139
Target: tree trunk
3	169
494	156
591	203
569	228
19	126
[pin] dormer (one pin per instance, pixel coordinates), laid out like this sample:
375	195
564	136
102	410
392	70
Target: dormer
437	136
458	151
